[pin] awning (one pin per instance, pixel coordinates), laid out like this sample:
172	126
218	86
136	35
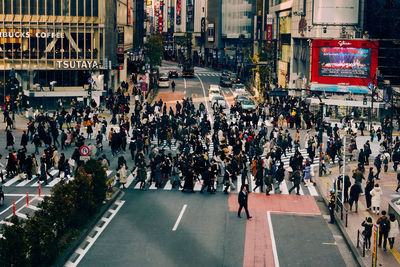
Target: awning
335	88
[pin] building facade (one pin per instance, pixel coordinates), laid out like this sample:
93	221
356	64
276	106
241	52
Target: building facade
56	45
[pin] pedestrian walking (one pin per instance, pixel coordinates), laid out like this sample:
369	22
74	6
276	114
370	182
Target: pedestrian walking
122	175
376	198
332	205
394	229
378	165
384	227
367	232
296	178
354	195
368	197
243	201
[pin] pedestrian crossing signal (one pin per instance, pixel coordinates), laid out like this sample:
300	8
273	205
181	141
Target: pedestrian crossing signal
365	101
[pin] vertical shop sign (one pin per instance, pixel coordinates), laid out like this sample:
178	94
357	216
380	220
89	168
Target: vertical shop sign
270	20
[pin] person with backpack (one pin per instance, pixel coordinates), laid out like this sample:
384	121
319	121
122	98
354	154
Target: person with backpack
384	228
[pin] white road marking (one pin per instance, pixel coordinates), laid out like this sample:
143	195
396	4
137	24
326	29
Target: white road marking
197	186
82	252
13	180
184	81
16	202
168	185
129	181
27	181
312	190
179	218
271	232
205	96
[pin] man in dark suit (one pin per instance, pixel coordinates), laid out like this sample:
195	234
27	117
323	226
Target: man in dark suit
242	198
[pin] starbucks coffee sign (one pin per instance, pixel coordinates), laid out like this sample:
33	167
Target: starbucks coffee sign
76	64
27	34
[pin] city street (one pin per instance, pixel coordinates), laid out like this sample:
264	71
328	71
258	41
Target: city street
163	227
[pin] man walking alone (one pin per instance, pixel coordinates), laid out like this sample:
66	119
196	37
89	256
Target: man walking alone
242	198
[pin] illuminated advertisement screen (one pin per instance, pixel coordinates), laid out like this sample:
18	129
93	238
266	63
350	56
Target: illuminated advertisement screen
344	62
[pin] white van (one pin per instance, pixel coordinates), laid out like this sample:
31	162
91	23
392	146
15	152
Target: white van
163	81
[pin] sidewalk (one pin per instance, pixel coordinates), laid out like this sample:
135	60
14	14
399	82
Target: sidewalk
388	183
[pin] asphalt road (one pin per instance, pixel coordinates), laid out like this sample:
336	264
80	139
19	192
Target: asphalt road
142	232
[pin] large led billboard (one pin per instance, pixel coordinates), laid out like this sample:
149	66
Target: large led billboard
348	62
353	62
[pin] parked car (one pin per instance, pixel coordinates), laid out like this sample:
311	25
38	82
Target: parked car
173	74
163	81
248	105
218	100
225	82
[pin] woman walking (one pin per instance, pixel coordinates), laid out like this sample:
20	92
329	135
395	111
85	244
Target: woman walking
368	188
367	232
394	229
376	198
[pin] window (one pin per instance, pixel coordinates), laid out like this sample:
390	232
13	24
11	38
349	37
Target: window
50	8
65	8
81	8
88	8
25	6
57	8
7	6
41	7
16	7
73	7
33	7
1	7
95	8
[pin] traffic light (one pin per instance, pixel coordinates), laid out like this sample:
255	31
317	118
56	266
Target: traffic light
365	101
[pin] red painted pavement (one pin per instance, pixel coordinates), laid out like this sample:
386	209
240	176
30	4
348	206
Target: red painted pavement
258	244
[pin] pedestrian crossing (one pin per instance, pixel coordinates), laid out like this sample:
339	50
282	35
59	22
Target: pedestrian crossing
34	182
208	74
174	146
282	188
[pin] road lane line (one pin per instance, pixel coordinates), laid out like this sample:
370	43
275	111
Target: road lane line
179	218
205	96
9	207
91	240
271	231
184	81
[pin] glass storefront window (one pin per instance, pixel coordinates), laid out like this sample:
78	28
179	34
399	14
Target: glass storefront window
88	8
1	7
25	7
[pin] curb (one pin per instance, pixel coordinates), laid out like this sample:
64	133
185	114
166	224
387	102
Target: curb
355	252
63	258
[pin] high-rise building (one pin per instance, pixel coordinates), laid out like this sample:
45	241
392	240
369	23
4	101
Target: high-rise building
56	44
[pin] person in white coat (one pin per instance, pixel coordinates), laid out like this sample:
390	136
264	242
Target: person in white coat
376	198
122	175
394	229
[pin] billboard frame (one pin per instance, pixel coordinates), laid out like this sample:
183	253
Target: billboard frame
338	24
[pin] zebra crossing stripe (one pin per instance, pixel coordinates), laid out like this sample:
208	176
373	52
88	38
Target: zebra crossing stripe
26	181
153	186
168	185
137	185
312	190
13	180
197	186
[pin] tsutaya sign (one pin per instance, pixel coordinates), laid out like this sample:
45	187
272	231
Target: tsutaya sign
76	64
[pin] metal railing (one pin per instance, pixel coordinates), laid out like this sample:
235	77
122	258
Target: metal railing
359	241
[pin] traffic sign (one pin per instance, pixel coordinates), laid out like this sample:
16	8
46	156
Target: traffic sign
84	150
90	80
370	86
